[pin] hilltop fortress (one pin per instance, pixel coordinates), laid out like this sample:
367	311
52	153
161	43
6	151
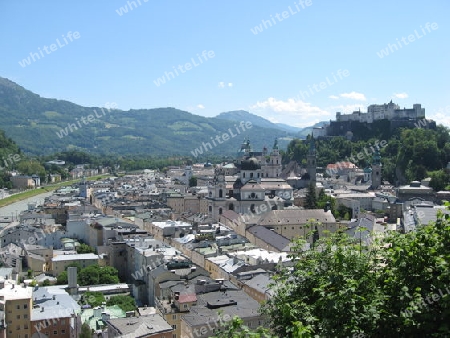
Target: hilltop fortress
386	116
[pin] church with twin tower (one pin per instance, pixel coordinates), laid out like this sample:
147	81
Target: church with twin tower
255	183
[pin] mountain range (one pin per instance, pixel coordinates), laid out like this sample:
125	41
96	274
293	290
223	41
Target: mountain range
42	126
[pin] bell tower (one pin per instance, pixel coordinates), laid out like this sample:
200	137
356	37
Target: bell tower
311	166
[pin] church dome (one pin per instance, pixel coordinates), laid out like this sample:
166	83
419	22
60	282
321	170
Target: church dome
250	164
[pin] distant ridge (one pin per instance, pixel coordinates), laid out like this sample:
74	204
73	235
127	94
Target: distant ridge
44	126
238	115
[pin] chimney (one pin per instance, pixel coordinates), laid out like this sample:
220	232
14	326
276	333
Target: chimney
42	309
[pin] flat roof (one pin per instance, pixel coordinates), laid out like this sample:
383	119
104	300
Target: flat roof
87	256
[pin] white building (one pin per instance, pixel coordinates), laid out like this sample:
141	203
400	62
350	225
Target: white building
389	111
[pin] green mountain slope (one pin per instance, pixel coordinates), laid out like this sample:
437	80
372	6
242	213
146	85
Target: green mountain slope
35	124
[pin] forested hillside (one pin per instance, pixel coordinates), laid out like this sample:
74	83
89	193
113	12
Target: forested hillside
408	154
42	126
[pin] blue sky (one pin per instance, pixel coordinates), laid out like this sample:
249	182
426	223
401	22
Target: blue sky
274	71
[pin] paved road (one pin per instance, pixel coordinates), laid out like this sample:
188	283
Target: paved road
17	207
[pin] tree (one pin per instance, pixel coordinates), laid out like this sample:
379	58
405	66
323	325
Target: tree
439	180
395	287
193	181
62	278
84	248
91	275
236	329
46	282
86	331
311	199
93	298
95	274
126	303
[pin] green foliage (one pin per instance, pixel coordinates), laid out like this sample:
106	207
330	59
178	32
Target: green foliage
46	282
311	199
86	331
91	275
62	278
84	248
94	274
93	298
440	179
126	303
397	287
27	117
236	329
408	155
193	181
339	212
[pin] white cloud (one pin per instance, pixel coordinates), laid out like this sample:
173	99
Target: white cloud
401	95
347	108
334	97
441	116
200	106
223	84
293	112
354	96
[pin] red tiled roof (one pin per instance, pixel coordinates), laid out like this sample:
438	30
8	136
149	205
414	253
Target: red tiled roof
187	298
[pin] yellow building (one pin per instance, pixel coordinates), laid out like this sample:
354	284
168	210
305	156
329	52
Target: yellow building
60	262
15	301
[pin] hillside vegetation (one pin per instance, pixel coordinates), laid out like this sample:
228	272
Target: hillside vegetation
40	126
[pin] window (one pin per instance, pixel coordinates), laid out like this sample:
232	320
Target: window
174	326
63	331
185	306
25	326
25	316
174	336
25	306
63	322
55	332
18	316
18	307
18	327
174	316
